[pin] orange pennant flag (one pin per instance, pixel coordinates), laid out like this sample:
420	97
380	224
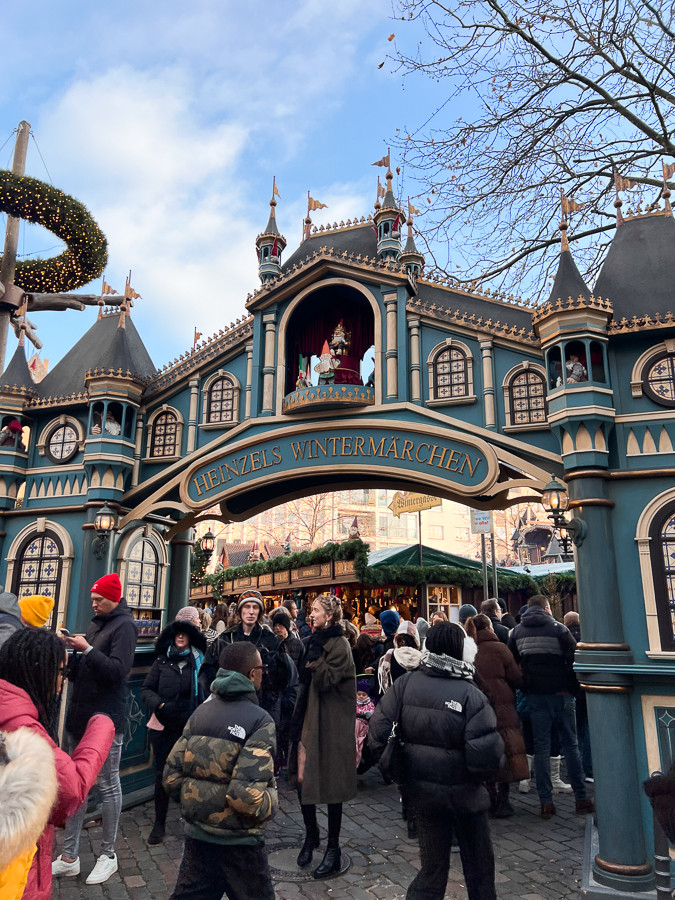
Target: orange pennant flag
106	289
668	171
383	162
198	334
568	205
275	190
622	184
313	204
412	211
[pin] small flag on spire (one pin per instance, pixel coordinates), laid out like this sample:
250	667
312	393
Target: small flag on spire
275	189
198	334
129	292
668	171
106	289
313	204
622	184
412	211
568	205
383	162
380	188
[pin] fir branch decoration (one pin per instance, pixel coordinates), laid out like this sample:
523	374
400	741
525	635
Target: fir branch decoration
87	251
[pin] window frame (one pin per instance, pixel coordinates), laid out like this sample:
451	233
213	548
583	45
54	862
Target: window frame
448	345
522	368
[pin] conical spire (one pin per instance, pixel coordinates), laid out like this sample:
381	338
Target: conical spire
388	220
568	281
411	258
17	374
270	244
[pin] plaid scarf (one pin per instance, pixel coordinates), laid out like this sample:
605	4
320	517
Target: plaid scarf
454	668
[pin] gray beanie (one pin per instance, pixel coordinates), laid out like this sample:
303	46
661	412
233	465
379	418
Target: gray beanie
466	612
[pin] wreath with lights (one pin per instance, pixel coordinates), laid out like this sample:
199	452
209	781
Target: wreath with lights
87	251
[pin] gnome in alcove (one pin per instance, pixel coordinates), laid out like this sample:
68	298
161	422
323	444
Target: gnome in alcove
340	341
327	365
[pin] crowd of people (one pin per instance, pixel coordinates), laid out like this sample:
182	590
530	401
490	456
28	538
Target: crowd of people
239	694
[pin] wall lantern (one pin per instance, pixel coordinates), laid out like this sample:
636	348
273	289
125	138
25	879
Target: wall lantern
104	524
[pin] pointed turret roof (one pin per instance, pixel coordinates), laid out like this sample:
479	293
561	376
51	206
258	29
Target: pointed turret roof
637	274
104	346
389	201
568	281
272	221
17	372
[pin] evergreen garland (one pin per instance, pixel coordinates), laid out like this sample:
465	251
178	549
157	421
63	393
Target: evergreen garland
86	254
369	575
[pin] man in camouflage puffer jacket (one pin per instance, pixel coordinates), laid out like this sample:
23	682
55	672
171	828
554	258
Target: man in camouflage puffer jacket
223	769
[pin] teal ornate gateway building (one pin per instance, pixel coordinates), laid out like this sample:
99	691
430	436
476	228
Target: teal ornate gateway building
351	369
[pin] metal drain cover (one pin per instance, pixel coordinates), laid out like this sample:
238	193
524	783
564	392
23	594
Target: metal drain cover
282	861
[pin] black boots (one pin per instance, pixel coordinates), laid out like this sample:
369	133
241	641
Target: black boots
312	841
502	809
156	836
330	864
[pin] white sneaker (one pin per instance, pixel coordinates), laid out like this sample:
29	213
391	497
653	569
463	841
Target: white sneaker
60	867
104	868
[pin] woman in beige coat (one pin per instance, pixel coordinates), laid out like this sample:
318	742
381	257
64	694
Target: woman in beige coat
323	724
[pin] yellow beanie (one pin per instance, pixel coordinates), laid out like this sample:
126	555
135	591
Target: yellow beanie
36	609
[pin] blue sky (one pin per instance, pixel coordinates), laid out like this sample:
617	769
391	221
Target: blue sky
168	122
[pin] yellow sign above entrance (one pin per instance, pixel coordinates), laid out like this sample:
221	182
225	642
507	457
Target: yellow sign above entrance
405	503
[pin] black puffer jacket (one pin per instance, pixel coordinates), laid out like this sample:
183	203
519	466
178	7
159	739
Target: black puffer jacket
544	649
276	676
450	734
171	684
100	676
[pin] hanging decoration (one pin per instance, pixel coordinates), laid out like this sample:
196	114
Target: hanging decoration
87	252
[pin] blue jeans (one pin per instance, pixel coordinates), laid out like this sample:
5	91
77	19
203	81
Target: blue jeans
549	711
109	784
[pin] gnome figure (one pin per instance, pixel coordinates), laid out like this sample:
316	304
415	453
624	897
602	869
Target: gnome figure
327	365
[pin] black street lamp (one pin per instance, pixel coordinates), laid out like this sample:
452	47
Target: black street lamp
556	501
104	524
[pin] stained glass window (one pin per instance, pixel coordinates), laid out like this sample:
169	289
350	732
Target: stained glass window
662	539
142	572
660	380
165	435
451	378
528	399
38	569
221	401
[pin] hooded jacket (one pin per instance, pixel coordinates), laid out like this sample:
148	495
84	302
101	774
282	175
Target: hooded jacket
171	685
75	774
544	649
222	767
10	615
450	738
100	676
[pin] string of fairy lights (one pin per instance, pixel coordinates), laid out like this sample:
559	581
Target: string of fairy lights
86	250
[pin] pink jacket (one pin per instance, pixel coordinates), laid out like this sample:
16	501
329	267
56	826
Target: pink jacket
76	774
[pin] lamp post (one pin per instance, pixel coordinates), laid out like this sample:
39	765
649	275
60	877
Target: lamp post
208	542
104	524
556	501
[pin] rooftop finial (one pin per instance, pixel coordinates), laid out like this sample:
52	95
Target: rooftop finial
567	206
620	184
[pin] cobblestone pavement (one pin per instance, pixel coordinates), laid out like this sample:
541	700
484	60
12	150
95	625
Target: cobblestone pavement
535	860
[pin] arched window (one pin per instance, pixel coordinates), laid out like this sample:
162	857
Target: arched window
662	545
525	398
165	436
142	575
221	401
38	568
451	376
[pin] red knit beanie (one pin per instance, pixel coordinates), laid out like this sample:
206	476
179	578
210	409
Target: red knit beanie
109	586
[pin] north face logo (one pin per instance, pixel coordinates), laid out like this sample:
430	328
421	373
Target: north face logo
454	705
237	731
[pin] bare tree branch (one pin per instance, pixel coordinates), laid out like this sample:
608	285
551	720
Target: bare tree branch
560	94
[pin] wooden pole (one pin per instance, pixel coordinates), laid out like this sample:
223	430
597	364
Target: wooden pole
483	556
8	266
494	566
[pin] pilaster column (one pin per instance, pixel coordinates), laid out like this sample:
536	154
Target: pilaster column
192	419
249	380
138	450
269	368
415	356
179	573
489	417
602	665
391	353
